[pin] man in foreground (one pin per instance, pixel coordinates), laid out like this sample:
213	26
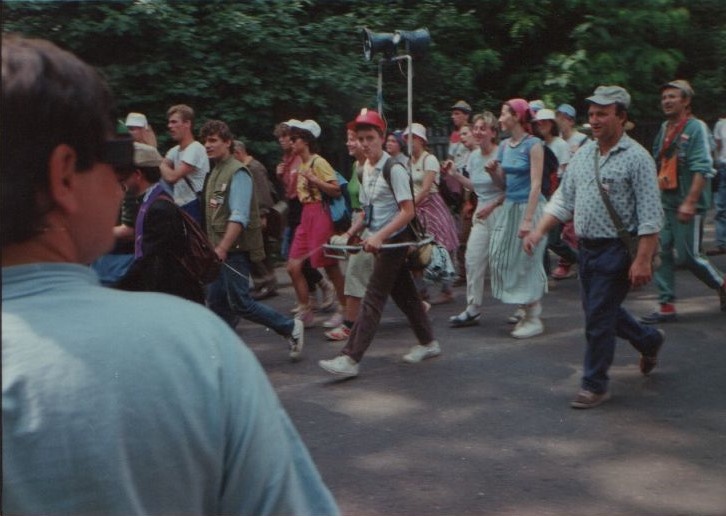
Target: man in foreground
115	402
607	271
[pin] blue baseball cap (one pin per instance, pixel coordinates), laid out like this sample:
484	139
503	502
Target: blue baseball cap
568	110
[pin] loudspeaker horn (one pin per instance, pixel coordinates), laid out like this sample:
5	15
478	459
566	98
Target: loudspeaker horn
378	42
417	41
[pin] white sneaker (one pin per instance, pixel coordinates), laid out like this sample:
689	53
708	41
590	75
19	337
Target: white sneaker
342	365
298	307
297	339
528	327
419	352
328	292
335	321
339	334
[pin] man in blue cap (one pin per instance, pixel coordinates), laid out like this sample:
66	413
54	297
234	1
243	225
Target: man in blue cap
566	118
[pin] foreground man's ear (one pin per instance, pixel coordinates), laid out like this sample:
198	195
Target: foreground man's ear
61	177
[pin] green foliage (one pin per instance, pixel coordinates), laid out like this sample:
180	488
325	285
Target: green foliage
256	63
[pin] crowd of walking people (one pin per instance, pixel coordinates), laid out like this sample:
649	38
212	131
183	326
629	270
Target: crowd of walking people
502	180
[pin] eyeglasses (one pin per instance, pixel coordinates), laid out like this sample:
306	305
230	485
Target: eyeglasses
119	153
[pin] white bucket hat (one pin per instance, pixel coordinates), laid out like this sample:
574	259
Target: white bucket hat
417	130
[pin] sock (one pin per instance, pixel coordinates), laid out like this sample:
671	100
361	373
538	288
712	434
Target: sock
472	310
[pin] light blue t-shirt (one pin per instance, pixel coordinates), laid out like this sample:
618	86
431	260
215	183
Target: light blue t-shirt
138	403
516	165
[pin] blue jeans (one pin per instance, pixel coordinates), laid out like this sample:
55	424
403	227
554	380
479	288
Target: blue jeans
720	202
604	266
229	297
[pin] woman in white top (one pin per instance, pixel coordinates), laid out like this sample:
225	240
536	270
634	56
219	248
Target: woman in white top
430	207
489	191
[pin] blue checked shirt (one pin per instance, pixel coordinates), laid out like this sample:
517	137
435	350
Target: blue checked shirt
629	177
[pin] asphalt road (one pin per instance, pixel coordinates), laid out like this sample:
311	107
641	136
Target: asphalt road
486	428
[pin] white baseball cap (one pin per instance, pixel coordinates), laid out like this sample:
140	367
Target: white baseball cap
136	120
545	114
310	126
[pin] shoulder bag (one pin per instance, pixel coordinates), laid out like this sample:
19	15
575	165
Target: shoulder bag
631	242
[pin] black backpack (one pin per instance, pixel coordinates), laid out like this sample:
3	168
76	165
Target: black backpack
200	260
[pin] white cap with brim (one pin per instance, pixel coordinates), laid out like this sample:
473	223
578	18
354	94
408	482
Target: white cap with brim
136	120
545	114
310	126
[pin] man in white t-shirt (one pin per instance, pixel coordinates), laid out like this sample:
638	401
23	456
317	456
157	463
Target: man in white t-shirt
566	117
719	198
186	164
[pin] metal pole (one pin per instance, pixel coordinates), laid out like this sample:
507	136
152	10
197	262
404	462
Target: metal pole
380	87
410	105
409	87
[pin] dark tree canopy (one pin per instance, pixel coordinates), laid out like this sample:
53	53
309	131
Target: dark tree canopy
259	62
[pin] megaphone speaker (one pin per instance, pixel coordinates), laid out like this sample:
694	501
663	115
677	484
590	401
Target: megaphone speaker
378	42
417	41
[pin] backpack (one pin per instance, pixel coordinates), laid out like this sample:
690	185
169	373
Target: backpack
339	207
200	260
419	257
550	167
